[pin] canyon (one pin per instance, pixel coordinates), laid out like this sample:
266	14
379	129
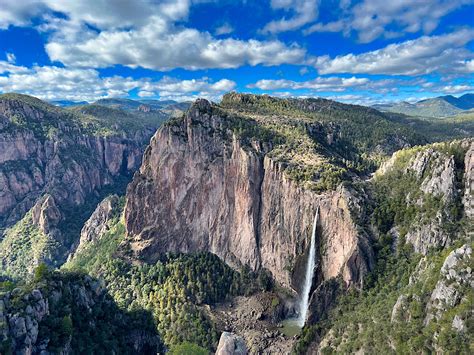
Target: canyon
272	187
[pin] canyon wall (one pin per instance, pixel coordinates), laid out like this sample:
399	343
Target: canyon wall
53	166
201	189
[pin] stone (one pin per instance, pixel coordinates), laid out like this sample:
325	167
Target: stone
459	324
231	344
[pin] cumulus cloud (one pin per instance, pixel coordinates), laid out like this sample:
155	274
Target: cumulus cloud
319	84
53	83
161	46
99	13
372	19
149	34
305	11
224	29
423	55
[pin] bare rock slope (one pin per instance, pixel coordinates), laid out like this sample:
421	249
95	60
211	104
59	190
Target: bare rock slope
204	187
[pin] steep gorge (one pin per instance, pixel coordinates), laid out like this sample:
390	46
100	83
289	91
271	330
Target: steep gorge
201	187
54	163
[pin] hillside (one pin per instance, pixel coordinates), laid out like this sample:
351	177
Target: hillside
208	245
439	107
55	165
165	107
417	297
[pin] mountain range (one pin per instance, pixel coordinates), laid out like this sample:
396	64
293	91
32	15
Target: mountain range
133	229
439	107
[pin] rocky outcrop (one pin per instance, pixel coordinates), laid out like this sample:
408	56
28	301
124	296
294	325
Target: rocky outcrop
46	214
455	273
21	326
231	344
42	320
468	198
435	176
202	188
54	162
98	223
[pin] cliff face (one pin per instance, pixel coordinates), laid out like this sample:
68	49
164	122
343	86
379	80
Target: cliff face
201	188
53	161
434	186
58	314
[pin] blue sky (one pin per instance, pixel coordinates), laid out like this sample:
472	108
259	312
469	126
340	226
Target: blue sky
365	52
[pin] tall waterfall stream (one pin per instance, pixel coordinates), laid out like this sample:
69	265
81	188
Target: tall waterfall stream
293	326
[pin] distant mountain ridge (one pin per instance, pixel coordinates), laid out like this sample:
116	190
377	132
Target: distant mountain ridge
168	106
442	106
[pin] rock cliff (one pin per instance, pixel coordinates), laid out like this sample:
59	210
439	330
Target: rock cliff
430	192
202	187
69	314
54	161
99	222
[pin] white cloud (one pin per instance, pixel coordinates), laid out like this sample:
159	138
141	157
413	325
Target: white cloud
203	85
423	55
11	58
454	89
305	11
469	66
8	67
99	13
336	26
224	29
141	34
19	13
372	19
319	84
53	83
161	46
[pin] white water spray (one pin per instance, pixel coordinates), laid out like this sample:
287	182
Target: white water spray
304	301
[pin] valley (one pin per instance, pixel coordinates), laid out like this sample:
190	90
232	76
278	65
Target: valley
147	227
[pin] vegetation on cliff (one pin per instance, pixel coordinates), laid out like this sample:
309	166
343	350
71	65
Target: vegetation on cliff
419	294
46	120
174	290
70	312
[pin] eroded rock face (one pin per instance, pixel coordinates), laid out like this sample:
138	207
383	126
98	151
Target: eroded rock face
98	223
67	163
437	176
50	163
201	189
231	344
46	214
455	273
468	198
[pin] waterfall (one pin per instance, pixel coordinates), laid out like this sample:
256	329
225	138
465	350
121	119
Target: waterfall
304	301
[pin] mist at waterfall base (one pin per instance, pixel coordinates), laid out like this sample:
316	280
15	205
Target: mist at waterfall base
293	326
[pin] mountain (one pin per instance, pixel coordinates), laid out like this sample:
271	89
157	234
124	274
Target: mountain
442	106
168	107
243	165
464	102
208	247
55	164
